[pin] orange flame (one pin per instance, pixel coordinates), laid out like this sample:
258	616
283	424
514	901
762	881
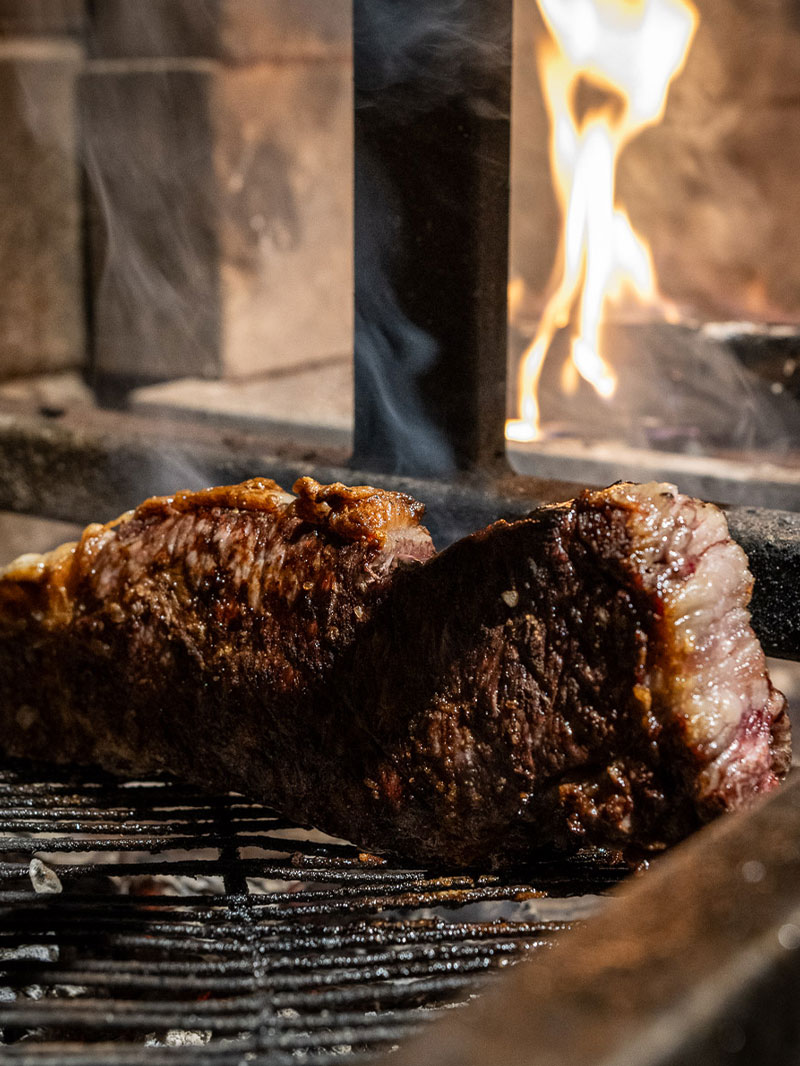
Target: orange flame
631	50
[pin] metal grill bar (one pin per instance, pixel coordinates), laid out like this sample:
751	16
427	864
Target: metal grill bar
110	1055
250	937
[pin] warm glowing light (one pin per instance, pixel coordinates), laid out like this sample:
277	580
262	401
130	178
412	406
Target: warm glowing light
630	50
516	292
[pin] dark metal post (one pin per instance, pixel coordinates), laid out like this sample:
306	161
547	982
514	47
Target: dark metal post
432	103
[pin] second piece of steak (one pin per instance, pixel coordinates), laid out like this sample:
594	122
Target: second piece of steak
585	676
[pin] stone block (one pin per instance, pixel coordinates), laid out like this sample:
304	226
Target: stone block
154	28
256	30
41	287
284	161
20	534
312	402
153	217
49	17
221	234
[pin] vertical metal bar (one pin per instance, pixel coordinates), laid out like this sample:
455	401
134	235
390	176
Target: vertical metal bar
432	110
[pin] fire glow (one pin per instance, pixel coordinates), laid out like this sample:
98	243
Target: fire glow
627	52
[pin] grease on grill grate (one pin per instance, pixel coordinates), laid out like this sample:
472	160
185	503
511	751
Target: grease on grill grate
141	922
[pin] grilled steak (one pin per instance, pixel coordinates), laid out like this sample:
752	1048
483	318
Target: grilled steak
587	675
583	676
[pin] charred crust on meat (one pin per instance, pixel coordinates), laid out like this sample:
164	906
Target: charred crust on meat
355	513
586	676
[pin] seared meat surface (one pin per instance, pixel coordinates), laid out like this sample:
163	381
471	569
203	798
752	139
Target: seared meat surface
583	676
198	633
587	675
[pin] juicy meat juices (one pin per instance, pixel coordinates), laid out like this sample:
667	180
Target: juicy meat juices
585	676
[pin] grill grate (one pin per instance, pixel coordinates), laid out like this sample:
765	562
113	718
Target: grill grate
141	922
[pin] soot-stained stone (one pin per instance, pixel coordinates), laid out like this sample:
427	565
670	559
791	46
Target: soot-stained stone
235	31
153	222
221	217
772	542
154	28
41	298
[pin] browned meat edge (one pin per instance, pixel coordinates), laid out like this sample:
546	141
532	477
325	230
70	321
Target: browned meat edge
585	676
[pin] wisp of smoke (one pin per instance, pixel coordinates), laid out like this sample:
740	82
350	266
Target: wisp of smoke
393	429
412	57
427	50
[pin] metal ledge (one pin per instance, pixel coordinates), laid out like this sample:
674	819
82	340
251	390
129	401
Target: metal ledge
88	465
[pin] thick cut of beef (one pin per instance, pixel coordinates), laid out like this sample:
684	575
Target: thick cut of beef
198	633
587	675
583	676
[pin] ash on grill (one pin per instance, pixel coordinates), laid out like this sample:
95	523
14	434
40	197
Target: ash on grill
144	923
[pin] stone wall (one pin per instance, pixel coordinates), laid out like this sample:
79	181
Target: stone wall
56	18
215	142
222	218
